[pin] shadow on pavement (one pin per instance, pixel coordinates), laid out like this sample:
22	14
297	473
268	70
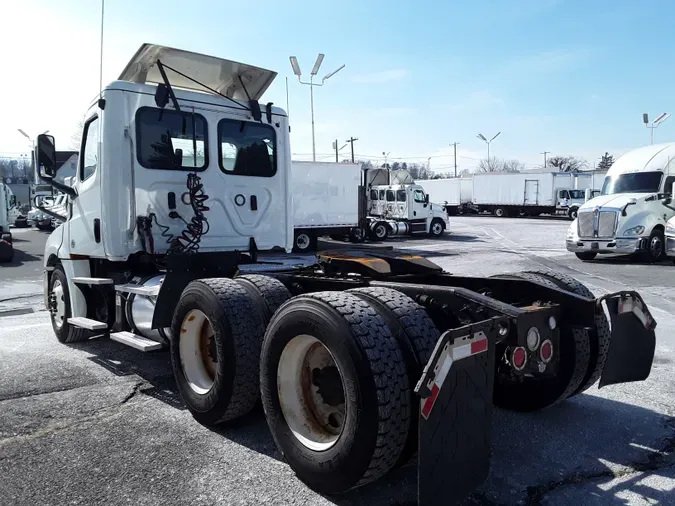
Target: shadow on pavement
20	258
534	454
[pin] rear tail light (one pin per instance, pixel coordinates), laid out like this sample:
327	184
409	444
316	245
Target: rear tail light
546	351
519	358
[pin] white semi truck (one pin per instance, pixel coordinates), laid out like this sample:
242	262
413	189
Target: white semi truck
630	215
403	209
8	211
361	361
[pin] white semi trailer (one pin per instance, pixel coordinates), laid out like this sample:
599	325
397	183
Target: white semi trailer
7	216
327	200
361	361
530	194
454	194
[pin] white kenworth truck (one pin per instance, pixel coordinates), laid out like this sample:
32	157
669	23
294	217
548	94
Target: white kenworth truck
630	215
362	361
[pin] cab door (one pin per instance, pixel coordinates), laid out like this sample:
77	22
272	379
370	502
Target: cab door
84	225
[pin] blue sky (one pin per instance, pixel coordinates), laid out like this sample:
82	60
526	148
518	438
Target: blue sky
570	77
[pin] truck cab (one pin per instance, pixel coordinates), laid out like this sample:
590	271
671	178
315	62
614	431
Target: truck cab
407	209
7	217
630	214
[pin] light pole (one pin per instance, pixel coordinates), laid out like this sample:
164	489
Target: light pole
662	117
386	166
483	138
311	84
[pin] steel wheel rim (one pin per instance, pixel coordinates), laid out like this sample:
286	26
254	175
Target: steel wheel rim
59	304
380	231
197	350
311	393
302	241
437	229
656	247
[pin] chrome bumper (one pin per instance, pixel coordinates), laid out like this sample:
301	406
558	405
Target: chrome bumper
620	245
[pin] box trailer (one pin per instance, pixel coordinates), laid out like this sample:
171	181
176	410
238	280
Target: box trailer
453	194
530	194
327	200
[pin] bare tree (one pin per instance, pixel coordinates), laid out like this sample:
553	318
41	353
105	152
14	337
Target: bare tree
76	138
567	163
498	165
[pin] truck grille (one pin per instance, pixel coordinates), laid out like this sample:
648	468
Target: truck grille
605	226
586	224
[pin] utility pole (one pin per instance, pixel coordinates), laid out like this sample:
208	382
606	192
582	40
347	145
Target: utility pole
335	146
454	144
351	141
545	153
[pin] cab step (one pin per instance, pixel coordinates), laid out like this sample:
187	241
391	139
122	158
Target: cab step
147	291
135	341
87	323
93	281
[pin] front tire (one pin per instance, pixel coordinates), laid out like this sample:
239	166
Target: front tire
436	228
215	350
573	212
656	247
60	310
335	390
500	212
586	256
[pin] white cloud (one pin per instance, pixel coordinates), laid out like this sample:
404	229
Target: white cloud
384	76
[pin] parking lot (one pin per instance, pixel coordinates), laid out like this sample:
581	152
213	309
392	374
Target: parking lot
99	422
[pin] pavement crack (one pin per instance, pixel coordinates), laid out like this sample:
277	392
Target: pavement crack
659	459
136	389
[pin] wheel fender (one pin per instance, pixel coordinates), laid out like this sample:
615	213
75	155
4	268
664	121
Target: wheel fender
76	268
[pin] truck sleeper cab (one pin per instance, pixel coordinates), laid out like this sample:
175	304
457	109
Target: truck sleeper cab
630	215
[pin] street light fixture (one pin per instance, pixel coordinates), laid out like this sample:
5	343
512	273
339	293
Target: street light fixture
661	118
484	139
315	70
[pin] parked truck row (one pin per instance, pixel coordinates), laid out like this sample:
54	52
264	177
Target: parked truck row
363	361
514	194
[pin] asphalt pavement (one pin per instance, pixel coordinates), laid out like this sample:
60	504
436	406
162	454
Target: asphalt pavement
100	423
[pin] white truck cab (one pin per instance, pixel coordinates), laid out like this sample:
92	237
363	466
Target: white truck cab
630	214
405	208
7	217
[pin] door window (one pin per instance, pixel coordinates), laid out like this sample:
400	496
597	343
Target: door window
419	196
89	160
381	195
564	194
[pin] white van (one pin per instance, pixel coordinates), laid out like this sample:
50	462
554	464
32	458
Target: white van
630	214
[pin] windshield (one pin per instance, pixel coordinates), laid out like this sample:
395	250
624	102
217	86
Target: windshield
635	182
576	194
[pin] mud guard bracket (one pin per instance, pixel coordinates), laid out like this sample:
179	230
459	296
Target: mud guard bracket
456	414
633	342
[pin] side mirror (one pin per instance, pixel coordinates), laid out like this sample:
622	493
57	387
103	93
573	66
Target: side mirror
46	155
426	198
588	195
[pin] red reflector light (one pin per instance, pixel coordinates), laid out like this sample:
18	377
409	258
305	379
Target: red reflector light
546	351
519	358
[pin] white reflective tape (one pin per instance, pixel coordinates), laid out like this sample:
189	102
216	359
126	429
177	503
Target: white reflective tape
461	351
443	372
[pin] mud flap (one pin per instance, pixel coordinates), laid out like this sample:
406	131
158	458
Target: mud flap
631	349
456	414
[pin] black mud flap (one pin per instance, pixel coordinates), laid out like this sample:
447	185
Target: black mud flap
456	414
631	349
